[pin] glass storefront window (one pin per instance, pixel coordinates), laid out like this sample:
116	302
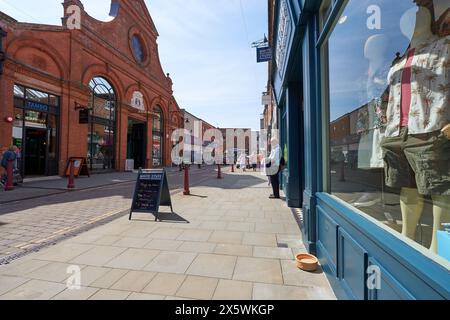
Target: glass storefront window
19	91
53	100
101	135
52	137
158	130
37	96
388	69
101	147
35	130
35	119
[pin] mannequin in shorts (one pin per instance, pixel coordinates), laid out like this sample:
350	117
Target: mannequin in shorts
435	142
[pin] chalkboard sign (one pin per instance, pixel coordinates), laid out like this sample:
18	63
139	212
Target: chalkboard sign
151	192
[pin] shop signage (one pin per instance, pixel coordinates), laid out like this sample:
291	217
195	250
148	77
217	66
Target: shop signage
266	100
284	30
264	54
36	106
84	116
151	192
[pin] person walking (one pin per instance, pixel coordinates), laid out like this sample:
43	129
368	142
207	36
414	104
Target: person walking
243	162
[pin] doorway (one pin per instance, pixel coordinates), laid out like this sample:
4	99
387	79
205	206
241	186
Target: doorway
136	146
35	152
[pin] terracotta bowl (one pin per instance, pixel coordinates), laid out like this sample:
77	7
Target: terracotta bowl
307	262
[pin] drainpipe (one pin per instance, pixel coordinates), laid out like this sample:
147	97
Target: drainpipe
69	95
2	53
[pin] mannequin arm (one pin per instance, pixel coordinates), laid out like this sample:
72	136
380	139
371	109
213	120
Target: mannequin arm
446	131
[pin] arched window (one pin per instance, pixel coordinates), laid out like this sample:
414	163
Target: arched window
102	125
158	137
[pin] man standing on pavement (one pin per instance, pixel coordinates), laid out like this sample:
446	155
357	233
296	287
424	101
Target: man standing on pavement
272	164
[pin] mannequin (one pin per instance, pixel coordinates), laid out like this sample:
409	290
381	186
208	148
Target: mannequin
422	122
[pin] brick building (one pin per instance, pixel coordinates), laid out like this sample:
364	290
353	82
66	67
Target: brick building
245	142
96	91
197	128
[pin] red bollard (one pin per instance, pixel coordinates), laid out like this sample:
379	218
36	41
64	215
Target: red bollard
232	168
219	172
71	184
186	181
9	176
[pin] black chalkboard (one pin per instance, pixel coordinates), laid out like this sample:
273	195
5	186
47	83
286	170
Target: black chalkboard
151	192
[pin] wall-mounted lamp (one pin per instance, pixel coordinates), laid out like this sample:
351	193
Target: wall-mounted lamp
9	119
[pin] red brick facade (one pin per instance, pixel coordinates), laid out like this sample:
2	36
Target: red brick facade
62	62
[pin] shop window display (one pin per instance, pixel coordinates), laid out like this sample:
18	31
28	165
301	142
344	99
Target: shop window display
389	111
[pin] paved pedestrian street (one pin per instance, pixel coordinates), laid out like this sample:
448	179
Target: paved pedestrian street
226	241
29	223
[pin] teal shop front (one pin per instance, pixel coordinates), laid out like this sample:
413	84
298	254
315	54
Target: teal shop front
363	94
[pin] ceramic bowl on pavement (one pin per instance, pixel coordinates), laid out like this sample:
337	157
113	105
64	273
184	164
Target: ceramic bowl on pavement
307	262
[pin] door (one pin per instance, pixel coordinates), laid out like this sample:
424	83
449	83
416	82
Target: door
138	141
35	152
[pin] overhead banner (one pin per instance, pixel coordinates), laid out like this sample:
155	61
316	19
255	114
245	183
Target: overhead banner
264	54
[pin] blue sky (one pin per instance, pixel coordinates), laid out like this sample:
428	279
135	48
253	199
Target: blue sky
203	44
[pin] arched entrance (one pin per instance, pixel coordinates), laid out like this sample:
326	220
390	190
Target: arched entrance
158	137
102	126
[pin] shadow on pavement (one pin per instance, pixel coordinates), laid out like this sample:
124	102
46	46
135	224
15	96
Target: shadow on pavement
206	178
164	217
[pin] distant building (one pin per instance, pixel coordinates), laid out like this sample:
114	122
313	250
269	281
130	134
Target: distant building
242	138
197	128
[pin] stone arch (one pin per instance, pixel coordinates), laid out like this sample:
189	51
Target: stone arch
42	46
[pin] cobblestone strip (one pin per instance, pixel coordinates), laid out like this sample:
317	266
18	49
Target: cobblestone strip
63	235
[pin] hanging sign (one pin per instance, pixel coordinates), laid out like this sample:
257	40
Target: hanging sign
266	99
84	116
264	54
151	192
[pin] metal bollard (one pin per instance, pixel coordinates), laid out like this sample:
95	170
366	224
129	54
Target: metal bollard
186	181
71	184
9	176
232	168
